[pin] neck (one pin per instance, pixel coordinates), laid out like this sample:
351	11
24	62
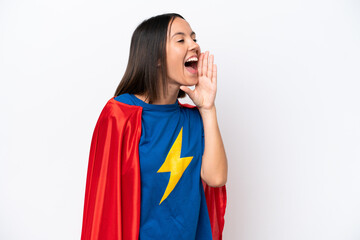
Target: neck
169	98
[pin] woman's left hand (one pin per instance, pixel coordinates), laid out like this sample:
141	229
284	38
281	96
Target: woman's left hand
204	93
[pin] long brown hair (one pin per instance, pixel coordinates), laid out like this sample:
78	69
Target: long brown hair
147	52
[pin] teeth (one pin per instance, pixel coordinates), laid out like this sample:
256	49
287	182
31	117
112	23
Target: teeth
193	59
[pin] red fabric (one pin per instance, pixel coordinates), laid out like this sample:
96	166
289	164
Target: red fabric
216	203
112	195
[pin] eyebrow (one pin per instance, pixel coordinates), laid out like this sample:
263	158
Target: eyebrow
181	33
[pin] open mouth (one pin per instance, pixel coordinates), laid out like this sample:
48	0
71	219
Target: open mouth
191	66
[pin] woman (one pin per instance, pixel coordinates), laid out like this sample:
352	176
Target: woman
149	153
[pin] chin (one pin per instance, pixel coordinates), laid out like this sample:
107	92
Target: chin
189	84
186	81
192	81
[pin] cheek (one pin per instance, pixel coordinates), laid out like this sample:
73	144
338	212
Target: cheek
175	62
175	59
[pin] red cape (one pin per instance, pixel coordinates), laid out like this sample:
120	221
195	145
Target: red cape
112	195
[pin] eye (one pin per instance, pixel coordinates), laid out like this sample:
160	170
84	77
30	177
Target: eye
182	40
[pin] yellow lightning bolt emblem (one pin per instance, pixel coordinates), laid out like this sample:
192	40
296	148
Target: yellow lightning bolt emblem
175	165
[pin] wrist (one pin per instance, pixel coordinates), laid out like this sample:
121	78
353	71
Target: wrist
207	110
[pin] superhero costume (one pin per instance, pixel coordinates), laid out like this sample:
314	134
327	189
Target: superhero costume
113	188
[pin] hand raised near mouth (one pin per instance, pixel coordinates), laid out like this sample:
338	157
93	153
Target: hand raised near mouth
204	93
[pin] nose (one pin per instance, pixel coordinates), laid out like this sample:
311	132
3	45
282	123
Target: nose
194	46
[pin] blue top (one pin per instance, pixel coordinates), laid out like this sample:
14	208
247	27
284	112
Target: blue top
173	204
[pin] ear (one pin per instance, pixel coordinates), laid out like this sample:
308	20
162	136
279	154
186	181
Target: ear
158	64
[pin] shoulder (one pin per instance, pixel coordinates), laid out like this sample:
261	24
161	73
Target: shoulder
189	108
191	111
116	109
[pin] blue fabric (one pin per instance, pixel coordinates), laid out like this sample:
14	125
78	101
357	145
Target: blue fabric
183	213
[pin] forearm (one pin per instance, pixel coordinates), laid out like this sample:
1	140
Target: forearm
214	163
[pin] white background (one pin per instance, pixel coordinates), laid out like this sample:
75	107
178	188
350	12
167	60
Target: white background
288	108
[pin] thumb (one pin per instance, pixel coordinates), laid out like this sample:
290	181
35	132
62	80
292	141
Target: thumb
188	91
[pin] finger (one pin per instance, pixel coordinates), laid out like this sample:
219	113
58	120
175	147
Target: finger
210	67
200	64
214	74
205	63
